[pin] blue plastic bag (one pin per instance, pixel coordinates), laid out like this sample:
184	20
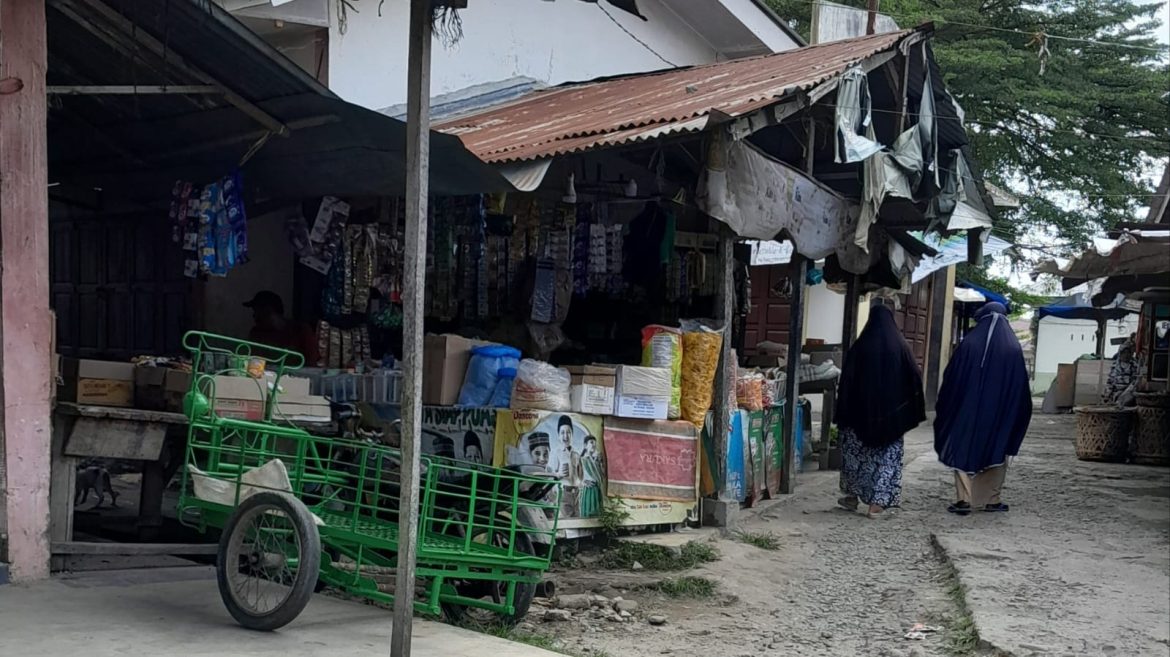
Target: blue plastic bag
483	373
502	395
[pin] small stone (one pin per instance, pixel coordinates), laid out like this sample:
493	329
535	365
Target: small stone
557	616
600	601
637	566
575	601
826	635
626	606
656	619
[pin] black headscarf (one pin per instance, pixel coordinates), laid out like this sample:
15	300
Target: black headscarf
879	396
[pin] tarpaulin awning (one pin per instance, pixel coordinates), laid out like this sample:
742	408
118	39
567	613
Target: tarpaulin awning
1080	306
988	295
951	251
197	94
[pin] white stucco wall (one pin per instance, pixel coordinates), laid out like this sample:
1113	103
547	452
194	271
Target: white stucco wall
825	314
553	42
1063	340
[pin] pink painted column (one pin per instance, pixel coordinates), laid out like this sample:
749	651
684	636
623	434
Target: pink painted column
25	327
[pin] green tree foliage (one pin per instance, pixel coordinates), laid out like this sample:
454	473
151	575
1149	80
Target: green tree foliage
1080	142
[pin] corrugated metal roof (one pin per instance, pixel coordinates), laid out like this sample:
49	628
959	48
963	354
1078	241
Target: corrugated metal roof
626	109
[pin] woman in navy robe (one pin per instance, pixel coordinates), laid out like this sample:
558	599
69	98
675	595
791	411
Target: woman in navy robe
983	411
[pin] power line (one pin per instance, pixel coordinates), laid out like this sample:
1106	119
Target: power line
1077	133
635	38
1040	32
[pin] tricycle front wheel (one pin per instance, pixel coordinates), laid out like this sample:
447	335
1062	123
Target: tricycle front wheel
269	560
496	591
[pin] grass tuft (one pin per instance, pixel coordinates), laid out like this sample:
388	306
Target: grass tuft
624	554
761	540
684	587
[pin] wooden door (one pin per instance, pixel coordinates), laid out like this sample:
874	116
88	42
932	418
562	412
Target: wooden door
914	319
770	311
117	287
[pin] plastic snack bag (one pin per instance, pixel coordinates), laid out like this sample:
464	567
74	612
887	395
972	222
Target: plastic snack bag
541	386
701	347
662	347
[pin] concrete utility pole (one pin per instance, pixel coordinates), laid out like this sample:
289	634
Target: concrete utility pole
418	144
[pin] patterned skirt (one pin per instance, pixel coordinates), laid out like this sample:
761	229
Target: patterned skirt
872	474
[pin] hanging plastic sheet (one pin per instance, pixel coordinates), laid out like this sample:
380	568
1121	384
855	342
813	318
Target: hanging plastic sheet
761	197
855	140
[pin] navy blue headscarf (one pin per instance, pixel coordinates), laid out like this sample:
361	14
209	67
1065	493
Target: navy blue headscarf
879	395
984	405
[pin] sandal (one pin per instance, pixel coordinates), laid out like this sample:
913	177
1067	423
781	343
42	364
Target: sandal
849	503
998	507
960	508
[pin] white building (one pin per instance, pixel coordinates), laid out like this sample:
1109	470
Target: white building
361	55
1060	340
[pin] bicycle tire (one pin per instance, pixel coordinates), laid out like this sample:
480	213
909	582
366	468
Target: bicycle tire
304	580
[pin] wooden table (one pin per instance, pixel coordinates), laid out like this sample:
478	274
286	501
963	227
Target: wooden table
157	439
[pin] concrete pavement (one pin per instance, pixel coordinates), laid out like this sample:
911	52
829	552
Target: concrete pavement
1081	564
177	611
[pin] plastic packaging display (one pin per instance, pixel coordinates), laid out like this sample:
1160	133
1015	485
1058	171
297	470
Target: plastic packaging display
502	395
701	347
541	386
483	373
750	391
662	347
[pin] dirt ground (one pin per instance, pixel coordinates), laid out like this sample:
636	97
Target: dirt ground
1064	573
838	584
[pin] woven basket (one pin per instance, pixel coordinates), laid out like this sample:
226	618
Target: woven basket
1103	433
1151	440
1153	399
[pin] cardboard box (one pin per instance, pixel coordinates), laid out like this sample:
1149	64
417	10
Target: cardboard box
594	388
643	381
148	387
294	386
175	387
642	407
239	397
444	366
97	382
303	408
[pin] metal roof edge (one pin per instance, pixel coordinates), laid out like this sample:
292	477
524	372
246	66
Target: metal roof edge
780	22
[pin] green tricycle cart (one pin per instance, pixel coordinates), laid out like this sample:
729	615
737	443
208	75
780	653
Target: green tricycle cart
300	512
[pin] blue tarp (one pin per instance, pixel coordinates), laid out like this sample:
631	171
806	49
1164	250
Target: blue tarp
990	296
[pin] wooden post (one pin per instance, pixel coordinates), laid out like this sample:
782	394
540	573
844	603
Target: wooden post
724	310
934	346
871	16
799	270
418	111
25	320
849	324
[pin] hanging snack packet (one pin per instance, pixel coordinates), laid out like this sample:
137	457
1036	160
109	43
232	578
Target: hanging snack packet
701	347
662	347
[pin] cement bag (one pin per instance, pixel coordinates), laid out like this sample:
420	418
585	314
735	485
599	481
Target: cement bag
701	347
272	476
662	347
540	386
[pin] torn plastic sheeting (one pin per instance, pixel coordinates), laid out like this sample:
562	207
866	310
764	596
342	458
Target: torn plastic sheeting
855	140
761	197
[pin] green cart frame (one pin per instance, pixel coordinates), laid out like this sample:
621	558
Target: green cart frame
299	512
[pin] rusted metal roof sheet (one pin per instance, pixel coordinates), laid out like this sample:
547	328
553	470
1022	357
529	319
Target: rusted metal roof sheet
633	108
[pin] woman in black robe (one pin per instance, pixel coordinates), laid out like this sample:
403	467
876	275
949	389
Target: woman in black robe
879	399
